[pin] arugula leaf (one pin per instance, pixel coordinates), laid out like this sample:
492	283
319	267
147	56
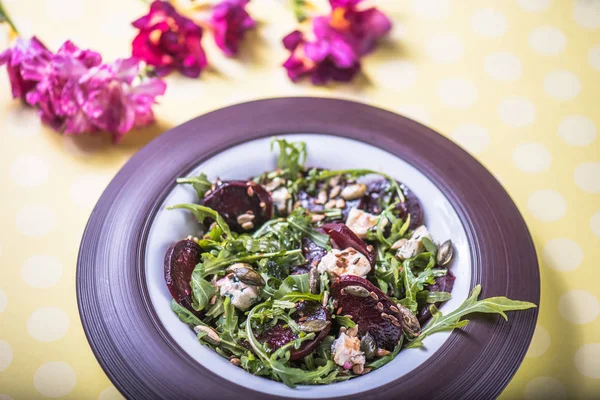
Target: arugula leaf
202	291
300	221
231	319
185	315
414	284
433	297
200	183
344	321
213	265
492	305
429	246
292	156
299	281
202	212
216	309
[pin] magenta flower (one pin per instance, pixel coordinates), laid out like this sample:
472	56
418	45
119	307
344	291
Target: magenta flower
168	41
229	22
362	28
75	93
24	51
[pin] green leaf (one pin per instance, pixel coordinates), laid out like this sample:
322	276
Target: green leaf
344	321
202	291
429	246
301	221
292	156
433	297
297	296
231	320
492	305
200	183
202	212
185	315
215	310
300	282
214	265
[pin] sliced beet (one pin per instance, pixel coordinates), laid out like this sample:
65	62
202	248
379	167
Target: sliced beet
365	311
312	253
442	284
342	237
376	192
280	334
180	260
234	198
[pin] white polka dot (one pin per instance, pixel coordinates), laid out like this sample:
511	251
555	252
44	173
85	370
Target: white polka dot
534	5
532	157
5	397
64	10
547	205
445	48
41	271
503	66
29	170
562	254
35	220
432	9
544	388
54	379
472	137
562	85
86	190
587	13
48	324
397	75
516	111
3	300
457	93
547	40
587	360
594	58
594	226
488	22
6	355
110	393
415	112
577	130
22	122
587	176
539	343
578	307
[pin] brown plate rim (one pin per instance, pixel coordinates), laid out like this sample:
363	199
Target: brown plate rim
141	358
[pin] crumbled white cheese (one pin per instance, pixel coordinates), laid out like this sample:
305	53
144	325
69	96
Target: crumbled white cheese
345	262
242	296
346	351
414	245
281	198
360	222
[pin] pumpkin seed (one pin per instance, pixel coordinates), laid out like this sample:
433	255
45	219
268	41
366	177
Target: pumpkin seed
357	291
410	323
368	346
211	336
246	274
315	325
314	281
353	192
445	253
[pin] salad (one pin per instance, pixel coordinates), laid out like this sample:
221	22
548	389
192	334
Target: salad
313	276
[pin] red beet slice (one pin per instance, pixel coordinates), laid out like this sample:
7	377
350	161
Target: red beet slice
366	312
234	198
180	260
343	237
312	253
279	335
378	189
442	284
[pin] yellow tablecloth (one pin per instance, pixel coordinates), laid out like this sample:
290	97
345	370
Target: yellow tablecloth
516	82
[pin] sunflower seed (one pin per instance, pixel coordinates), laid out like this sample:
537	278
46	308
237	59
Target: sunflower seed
335	192
398	243
317	217
382	352
380	306
247	226
321	197
330	204
374	296
211	336
354	191
340	203
235	361
358	369
250	191
243	218
352	332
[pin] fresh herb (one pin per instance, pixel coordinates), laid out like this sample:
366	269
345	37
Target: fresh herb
491	305
202	213
200	183
292	156
300	221
185	315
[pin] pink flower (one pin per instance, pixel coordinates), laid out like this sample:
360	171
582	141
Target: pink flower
168	41
24	51
230	21
75	93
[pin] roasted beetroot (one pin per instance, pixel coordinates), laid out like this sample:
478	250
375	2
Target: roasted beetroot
234	199
342	237
180	260
369	308
378	189
281	334
442	284
312	253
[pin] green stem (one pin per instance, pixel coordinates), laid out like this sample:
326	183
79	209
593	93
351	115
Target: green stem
298	7
5	17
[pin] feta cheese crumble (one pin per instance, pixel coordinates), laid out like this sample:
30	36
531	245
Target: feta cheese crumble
344	262
360	222
242	296
414	245
346	351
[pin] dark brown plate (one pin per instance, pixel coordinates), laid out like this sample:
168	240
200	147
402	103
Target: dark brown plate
142	359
